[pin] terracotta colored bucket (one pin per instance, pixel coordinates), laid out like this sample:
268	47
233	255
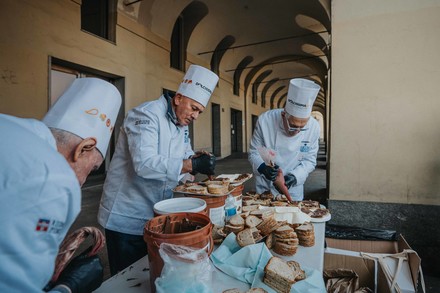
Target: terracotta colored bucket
216	207
188	229
238	190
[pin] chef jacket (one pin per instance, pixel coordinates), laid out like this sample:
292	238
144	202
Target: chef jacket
40	197
295	155
145	167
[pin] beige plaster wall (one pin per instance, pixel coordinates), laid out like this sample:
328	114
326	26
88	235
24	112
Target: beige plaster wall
31	31
385	125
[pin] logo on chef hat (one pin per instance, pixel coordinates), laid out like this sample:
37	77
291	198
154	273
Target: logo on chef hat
102	117
300	97
87	109
198	84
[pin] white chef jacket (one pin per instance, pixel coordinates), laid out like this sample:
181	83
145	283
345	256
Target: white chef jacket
295	155
40	197
145	167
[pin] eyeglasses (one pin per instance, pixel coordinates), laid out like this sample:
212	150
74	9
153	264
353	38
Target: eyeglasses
290	128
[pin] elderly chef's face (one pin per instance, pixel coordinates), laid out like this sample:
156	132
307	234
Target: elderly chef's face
293	125
186	109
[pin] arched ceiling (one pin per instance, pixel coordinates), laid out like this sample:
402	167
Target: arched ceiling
289	38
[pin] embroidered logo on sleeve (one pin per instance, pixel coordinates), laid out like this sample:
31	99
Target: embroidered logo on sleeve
42	225
51	226
142	122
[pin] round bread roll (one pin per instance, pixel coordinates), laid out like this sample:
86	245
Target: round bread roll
197	189
217	189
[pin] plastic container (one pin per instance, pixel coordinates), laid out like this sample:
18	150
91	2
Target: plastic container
237	193
230	207
216	207
188	229
180	205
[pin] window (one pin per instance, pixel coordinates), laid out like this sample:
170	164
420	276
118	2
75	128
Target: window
99	18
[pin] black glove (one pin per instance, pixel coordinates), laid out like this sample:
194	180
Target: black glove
289	180
204	164
83	274
269	172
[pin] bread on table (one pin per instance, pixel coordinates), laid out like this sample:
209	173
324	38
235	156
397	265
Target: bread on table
267	226
248	236
279	275
297	267
252	221
197	189
306	234
249	208
236	220
217	189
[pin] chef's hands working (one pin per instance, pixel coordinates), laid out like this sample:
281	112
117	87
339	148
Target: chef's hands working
281	182
204	163
83	274
269	172
289	180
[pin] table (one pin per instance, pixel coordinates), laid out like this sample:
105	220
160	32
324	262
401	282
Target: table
136	278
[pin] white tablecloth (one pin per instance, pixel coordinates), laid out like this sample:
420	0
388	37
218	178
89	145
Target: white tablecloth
136	278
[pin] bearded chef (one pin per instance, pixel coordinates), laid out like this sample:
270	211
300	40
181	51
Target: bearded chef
294	136
152	154
43	165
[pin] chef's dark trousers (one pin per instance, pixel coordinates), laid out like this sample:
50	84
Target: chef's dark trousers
123	250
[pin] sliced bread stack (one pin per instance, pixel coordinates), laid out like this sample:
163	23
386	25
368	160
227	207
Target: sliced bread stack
285	241
263	213
252	221
279	275
306	234
267	226
248	236
235	224
197	189
296	266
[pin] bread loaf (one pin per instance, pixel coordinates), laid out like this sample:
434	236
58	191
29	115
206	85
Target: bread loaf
279	275
248	236
217	189
252	221
197	189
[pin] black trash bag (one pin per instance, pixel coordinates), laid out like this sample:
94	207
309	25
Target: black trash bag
356	233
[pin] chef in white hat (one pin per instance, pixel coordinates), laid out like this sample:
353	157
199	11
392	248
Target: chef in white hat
152	153
43	166
294	136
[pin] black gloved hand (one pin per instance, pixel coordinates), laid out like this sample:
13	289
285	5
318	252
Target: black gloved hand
289	180
269	172
83	274
204	164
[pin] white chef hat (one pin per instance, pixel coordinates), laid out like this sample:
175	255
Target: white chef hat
300	97
88	108
198	84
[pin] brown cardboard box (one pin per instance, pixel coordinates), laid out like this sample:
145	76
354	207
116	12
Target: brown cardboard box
349	254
